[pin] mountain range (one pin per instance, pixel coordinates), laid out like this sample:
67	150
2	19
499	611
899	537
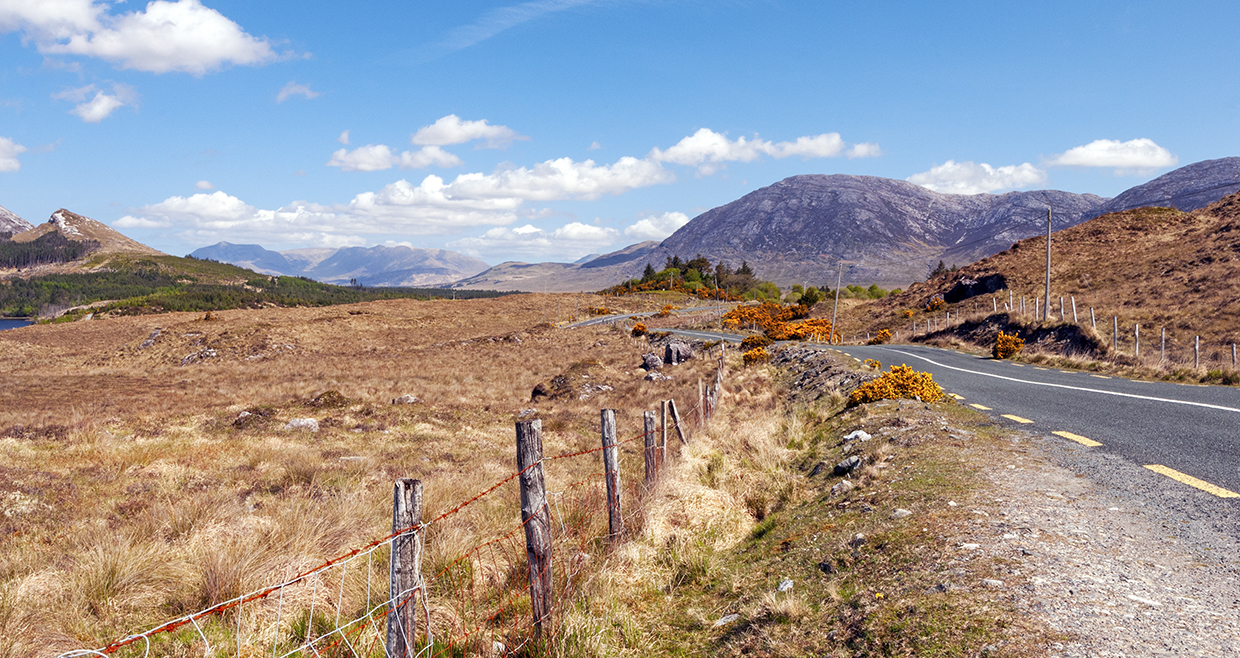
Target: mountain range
11	223
368	266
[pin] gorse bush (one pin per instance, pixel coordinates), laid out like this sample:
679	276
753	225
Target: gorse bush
1007	346
639	329
899	382
754	342
881	337
756	355
937	302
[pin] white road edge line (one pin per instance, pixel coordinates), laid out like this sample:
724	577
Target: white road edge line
1073	388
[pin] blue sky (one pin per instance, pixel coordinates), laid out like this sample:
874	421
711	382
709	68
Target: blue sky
551	129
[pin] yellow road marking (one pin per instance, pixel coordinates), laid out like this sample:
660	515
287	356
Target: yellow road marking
1089	443
1016	418
978	406
1037	368
1192	481
955	396
1100	376
1019	365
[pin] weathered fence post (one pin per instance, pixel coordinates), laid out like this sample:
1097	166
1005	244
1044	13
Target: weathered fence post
1074	310
1162	352
1062	312
615	522
1196	352
651	452
994	301
1115	334
536	517
1136	340
1037	307
701	408
1011	304
1233	355
663	431
405	569
680	430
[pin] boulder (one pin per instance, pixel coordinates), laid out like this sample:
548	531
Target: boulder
966	287
676	353
656	376
857	435
651	361
842	487
303	424
848	465
407	399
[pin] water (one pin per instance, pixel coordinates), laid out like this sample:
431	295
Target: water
6	323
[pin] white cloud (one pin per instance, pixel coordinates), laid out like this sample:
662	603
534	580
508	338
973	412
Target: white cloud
294	89
708	150
864	150
343	138
204	185
656	227
571	241
953	177
181	35
129	221
9	150
1134	155
377	157
452	130
594	146
101	104
496	21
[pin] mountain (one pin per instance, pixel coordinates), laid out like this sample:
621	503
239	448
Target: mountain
1188	188
594	274
373	266
78	228
11	223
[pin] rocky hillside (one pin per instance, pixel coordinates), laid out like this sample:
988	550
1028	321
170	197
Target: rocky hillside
11	223
78	228
1187	188
373	266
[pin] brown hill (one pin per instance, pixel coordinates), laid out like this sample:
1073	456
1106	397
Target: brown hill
78	227
1158	267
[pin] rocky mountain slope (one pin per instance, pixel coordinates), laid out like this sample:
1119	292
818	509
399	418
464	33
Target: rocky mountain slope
373	266
77	227
886	231
11	223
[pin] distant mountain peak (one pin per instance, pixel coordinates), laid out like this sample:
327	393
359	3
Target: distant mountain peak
11	223
79	227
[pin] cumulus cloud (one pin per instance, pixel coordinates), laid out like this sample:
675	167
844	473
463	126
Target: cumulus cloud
343	138
864	150
167	36
708	150
434	206
594	146
656	227
204	185
9	150
571	241
294	89
953	177
377	157
100	104
452	130
1134	155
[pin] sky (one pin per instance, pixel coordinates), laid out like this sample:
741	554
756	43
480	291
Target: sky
553	129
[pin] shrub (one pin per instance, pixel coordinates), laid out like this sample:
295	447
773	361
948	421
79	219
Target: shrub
899	382
872	363
1007	346
935	304
756	355
908	313
881	337
639	329
667	310
754	342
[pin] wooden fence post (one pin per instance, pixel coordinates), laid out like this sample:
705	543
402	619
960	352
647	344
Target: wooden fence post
1162	352
1074	310
663	432
536	517
701	408
1196	352
651	452
1233	355
994	301
1115	334
680	430
1136	340
405	569
1037	307
615	522
1062	312
1010	302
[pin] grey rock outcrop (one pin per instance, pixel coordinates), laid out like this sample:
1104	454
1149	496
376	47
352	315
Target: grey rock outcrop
677	353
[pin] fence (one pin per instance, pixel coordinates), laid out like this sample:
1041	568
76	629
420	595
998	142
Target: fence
495	597
1162	349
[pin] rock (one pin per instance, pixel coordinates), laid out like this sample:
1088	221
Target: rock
941	588
841	488
848	465
826	567
198	356
900	513
540	391
151	339
857	435
857	540
991	582
785	586
303	424
677	353
818	468
727	619
970	547
407	399
651	361
656	376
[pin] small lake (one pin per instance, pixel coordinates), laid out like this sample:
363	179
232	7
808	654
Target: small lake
6	323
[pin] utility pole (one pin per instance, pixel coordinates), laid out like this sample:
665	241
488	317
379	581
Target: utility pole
838	274
1047	310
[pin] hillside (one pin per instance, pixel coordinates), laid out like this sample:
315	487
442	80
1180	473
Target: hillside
368	266
77	227
11	223
1158	267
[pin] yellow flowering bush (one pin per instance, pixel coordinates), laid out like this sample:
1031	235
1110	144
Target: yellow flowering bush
881	337
756	355
639	329
754	342
1007	346
937	302
899	382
